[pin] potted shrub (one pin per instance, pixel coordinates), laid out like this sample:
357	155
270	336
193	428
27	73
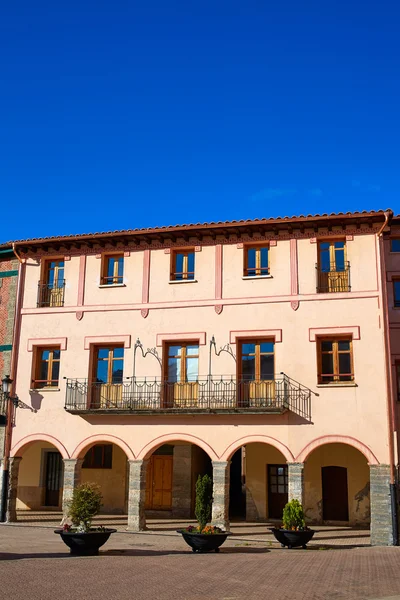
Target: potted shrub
81	537
294	531
204	538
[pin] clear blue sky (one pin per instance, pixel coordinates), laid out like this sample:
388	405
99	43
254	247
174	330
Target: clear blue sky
117	115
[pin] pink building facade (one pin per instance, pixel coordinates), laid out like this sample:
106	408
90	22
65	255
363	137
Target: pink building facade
256	351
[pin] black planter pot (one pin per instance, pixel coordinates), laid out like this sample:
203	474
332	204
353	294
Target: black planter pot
293	539
202	542
84	544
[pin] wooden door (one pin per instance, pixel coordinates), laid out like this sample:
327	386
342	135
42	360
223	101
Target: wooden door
256	384
55	282
335	503
181	375
53	478
277	490
333	276
159	483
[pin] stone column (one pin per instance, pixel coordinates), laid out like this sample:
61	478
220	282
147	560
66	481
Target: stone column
381	508
137	495
182	482
13	470
72	477
296	482
220	507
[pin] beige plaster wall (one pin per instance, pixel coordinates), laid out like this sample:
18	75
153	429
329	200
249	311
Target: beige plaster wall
258	456
113	482
358	479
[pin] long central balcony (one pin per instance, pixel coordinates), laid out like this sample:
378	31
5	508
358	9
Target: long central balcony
212	394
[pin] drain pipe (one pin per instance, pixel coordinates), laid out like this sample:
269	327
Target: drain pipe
13	373
391	409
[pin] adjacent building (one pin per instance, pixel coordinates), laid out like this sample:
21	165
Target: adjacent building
258	351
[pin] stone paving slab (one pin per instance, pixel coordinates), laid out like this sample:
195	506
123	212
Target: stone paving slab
35	564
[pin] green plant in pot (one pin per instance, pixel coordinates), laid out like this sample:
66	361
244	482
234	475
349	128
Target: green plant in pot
80	536
204	537
294	531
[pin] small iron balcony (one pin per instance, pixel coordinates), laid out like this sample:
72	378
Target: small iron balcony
51	294
213	394
334	279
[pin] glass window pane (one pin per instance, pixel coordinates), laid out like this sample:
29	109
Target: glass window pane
117	371
191	265
107	456
248	367
273	479
56	354
267	366
395	245
339	260
178	262
326	346
396	287
118	353
251	259
339	244
45	354
344	345
281	471
264	257
102	371
103	352
174	370
110	267
248	348
174	350
281	489
192	350
192	369
120	266
324	257
344	364
43	371
56	371
327	363
274	489
98	456
267	347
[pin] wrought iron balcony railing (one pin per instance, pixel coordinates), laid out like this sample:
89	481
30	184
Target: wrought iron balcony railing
334	279
51	294
213	394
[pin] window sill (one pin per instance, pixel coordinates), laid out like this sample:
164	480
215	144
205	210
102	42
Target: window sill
44	389
182	281
257	277
111	285
336	385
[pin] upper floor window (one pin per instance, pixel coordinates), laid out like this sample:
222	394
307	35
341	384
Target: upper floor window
112	271
182	265
52	284
256	261
98	457
396	292
106	388
333	269
395	245
46	368
335	360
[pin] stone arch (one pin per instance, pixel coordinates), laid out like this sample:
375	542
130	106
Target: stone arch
94	439
39	437
262	439
150	447
337	439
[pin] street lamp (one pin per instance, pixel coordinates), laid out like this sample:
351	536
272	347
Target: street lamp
7	383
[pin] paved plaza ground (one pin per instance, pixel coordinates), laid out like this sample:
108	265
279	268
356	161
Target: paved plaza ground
339	563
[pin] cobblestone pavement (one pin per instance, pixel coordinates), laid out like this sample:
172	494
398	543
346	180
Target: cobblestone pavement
35	564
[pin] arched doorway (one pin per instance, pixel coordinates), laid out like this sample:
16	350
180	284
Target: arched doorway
105	463
337	485
259	488
40	477
171	475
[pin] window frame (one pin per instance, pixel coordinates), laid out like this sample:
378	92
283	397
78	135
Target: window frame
37	363
183	344
115	278
185	272
91	457
335	352
94	358
257	357
257	247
